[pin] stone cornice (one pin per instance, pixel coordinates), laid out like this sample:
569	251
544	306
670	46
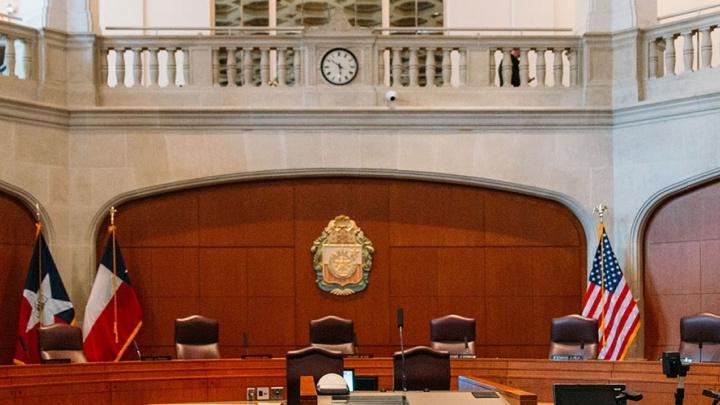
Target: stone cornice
33	113
645	113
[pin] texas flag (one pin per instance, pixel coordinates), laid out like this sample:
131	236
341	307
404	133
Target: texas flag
113	315
44	302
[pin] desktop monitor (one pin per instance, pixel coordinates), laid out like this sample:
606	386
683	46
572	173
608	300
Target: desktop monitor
588	394
349	376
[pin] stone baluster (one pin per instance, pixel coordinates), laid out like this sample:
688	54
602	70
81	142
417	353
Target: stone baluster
153	66
137	67
231	66
669	55
396	67
172	67
557	67
540	69
281	67
492	67
506	68
413	68
446	67
9	56
430	68
216	66
104	71
186	66
462	65
247	68
381	67
574	68
705	47
27	59
296	66
264	66
524	67
120	66
687	51
652	59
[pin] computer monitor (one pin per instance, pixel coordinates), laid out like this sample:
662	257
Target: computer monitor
349	376
588	394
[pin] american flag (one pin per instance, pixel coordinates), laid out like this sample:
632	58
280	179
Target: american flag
609	300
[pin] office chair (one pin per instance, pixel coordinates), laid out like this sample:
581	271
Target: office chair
333	333
574	337
454	334
425	369
700	337
197	337
310	361
61	342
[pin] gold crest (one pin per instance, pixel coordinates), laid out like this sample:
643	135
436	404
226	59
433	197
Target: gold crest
342	257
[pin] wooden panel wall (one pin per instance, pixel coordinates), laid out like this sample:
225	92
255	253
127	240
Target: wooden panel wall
682	265
241	253
17	234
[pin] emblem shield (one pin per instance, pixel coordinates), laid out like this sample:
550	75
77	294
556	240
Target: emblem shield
342	257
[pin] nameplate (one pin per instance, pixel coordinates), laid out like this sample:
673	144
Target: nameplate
155	358
566	357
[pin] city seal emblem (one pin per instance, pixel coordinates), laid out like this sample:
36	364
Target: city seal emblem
342	257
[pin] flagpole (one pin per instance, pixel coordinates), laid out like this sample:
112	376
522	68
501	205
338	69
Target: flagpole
113	211
600	210
38	233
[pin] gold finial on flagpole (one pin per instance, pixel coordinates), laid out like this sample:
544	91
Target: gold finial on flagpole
600	210
113	211
37	212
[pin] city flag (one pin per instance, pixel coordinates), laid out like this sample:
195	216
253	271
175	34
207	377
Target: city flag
44	301
609	300
113	315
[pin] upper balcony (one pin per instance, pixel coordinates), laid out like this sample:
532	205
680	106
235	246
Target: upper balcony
281	68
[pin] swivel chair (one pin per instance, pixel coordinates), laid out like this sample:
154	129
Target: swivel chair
425	369
333	333
574	337
197	337
454	334
310	361
61	342
700	337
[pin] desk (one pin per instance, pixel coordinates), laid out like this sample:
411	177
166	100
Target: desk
413	398
227	379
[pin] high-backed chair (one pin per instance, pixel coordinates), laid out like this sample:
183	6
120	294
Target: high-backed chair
453	333
311	361
61	341
574	336
197	337
333	333
700	337
425	369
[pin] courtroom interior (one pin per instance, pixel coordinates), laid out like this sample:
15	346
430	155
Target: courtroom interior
226	200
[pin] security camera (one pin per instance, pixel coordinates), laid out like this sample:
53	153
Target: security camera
391	96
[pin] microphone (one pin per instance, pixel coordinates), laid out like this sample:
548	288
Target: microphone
467	346
137	349
400	323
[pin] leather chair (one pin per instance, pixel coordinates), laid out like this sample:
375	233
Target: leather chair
314	361
452	333
197	337
61	342
333	333
700	337
574	336
425	369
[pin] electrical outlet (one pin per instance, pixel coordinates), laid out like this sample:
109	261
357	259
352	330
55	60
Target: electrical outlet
276	393
263	393
250	396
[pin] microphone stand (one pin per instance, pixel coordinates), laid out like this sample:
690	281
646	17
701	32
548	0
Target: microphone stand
403	377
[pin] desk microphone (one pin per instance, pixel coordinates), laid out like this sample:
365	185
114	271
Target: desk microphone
400	323
137	349
467	346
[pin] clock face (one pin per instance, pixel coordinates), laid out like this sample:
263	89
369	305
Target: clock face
339	66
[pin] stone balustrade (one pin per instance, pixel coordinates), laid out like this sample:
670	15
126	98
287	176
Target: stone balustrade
19	45
681	47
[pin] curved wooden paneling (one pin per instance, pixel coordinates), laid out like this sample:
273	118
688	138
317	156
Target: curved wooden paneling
682	265
17	234
241	253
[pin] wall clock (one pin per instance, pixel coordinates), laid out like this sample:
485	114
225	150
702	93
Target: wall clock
339	66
